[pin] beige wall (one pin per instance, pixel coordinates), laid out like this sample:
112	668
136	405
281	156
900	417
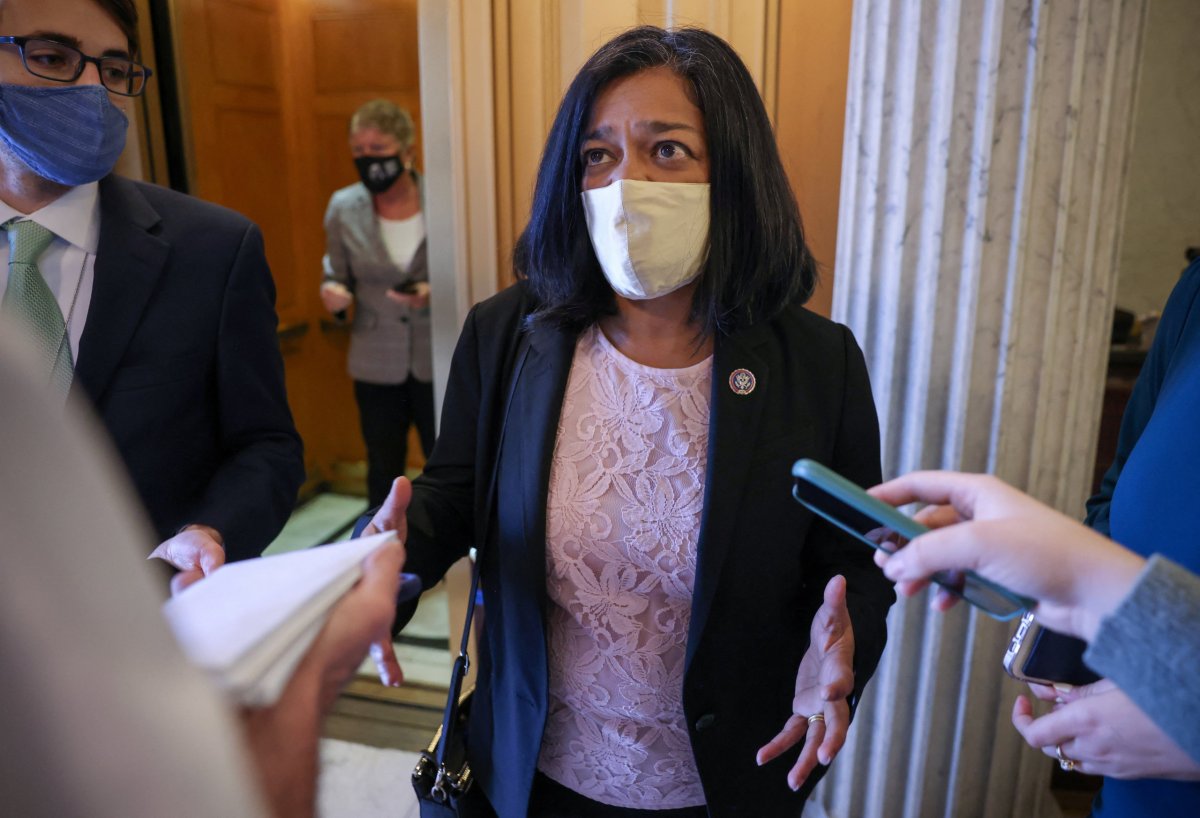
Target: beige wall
1162	212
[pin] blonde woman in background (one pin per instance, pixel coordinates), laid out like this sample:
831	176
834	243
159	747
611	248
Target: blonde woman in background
375	260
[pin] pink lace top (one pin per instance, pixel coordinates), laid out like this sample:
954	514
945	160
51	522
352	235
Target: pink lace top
622	519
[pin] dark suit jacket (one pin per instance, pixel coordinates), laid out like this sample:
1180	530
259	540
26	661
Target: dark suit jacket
180	359
763	561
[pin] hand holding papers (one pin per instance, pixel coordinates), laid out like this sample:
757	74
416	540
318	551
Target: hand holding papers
249	624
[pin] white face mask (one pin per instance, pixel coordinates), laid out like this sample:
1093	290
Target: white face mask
651	238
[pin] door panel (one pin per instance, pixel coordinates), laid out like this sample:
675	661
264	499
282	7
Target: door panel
242	44
357	51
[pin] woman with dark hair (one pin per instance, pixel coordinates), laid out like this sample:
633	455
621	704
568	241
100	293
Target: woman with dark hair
667	631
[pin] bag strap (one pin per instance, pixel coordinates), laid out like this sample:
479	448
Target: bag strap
463	662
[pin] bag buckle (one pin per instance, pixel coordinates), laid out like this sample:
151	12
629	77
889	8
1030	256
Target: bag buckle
447	783
438	790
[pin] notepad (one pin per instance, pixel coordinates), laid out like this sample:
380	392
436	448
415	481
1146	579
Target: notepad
250	623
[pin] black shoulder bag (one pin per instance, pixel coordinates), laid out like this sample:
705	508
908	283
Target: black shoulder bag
442	776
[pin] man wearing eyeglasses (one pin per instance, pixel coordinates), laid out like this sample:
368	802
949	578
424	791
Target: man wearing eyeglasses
158	306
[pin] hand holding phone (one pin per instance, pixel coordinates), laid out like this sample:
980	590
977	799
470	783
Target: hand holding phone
841	502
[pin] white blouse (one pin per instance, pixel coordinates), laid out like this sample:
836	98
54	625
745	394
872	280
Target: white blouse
402	238
623	516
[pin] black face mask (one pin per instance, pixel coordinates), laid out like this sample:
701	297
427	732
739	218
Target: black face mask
379	173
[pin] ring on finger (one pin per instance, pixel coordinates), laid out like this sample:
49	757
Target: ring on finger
1065	763
816	717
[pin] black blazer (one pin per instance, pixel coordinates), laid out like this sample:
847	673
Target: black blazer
180	359
762	560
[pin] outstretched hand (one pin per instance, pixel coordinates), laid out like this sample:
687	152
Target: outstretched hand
391	516
196	552
824	682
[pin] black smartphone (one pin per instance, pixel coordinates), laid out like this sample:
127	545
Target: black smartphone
1038	654
841	502
405	288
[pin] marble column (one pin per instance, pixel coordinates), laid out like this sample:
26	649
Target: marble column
982	188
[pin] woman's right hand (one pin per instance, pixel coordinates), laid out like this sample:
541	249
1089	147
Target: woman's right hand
390	517
335	296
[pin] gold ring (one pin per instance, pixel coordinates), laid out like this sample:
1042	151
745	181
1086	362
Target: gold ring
816	717
1064	763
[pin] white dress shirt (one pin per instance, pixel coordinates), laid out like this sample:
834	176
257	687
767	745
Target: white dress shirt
69	265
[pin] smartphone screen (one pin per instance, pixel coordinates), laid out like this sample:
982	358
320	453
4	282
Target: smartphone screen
841	502
848	517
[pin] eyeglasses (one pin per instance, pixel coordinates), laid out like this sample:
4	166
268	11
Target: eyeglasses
52	60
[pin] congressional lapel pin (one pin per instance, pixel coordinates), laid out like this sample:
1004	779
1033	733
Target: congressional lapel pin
742	381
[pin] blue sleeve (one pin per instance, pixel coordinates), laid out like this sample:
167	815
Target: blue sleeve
1145	393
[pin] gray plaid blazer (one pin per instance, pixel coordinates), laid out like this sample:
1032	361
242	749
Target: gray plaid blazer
388	341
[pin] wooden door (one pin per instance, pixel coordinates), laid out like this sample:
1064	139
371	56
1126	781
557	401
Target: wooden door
267	88
810	121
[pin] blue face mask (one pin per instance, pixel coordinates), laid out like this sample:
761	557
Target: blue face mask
69	134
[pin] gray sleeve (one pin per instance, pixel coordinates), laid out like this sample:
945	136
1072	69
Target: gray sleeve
1150	647
336	264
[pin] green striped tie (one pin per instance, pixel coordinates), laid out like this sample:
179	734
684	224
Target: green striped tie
30	301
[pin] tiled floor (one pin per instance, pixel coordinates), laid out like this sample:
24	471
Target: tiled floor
323	519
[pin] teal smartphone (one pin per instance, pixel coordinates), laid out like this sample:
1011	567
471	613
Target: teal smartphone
834	498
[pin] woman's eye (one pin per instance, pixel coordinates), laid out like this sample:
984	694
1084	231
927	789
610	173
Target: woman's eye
593	157
671	150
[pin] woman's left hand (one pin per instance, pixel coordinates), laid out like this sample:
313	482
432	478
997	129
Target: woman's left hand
1100	731
823	683
418	299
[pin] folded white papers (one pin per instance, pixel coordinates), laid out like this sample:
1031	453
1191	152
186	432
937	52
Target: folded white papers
250	623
